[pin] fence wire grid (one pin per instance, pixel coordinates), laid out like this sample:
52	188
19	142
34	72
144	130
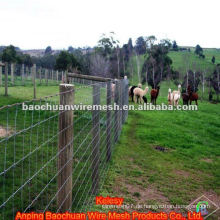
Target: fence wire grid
57	160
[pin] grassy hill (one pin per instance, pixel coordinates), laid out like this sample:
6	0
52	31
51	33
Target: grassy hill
179	63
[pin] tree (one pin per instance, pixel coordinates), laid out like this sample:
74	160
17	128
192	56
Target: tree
9	54
166	43
70	49
140	46
130	46
215	81
150	40
157	65
175	46
48	50
193	79
198	50
213	59
99	65
66	61
26	59
106	44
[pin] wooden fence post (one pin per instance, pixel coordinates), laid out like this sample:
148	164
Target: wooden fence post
6	79
46	76
22	74
109	124
27	72
0	75
34	70
12	73
96	138
52	75
65	149
40	76
62	77
57	76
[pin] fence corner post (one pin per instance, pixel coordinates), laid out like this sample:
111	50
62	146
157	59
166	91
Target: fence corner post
96	139
65	149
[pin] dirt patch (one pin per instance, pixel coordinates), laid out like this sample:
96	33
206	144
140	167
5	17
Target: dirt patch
3	132
182	173
207	160
213	197
150	193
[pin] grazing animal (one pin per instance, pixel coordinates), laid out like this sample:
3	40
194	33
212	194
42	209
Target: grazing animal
154	94
193	96
176	96
140	93
145	99
185	96
131	91
170	97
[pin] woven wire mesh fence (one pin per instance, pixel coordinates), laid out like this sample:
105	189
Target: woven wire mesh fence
54	158
25	75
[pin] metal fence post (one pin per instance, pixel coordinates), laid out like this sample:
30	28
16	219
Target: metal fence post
96	138
116	96
65	149
126	97
6	79
108	123
120	104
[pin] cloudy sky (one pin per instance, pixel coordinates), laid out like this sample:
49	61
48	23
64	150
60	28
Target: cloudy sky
61	23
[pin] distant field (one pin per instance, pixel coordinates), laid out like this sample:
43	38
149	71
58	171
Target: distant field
179	65
178	58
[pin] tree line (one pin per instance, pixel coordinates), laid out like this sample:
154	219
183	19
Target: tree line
109	59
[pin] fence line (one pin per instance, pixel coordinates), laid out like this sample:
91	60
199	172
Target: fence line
22	75
57	160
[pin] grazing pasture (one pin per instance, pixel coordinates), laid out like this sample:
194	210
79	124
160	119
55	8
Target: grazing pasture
167	157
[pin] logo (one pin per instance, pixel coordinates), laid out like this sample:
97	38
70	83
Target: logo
203	205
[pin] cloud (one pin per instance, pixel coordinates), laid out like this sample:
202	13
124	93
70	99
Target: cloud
39	23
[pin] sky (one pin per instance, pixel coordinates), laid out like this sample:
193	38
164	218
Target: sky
36	24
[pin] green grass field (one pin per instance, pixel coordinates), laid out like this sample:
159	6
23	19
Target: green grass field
34	149
188	167
178	64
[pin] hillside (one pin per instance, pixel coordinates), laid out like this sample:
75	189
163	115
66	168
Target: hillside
180	60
